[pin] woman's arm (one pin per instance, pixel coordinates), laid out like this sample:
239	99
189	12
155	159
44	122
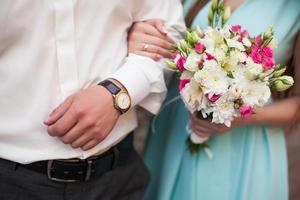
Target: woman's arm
281	113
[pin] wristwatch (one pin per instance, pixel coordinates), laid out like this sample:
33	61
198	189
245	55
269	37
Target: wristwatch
122	100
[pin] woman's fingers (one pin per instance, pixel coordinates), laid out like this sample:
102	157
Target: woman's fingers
156	50
200	132
147	29
158	42
158	24
204	125
153	56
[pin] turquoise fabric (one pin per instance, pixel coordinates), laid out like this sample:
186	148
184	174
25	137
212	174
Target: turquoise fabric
249	162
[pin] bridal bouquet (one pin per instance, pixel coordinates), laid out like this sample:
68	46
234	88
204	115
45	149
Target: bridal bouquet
224	72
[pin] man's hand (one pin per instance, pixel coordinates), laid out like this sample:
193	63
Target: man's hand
84	119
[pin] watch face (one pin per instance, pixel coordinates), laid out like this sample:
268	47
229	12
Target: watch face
123	100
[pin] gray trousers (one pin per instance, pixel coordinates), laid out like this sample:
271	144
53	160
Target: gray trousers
126	182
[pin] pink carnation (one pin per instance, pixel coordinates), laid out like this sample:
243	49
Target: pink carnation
256	57
255	48
183	82
213	98
236	28
268	63
180	63
246	111
267	51
199	48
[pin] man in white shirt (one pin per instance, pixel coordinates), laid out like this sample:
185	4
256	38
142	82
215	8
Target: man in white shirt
68	94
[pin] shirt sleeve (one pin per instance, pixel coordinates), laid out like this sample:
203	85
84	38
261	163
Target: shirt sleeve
141	76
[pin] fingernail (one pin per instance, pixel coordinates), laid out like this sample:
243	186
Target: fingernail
47	121
158	57
164	29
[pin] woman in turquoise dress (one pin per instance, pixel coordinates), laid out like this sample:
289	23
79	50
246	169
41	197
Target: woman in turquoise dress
250	158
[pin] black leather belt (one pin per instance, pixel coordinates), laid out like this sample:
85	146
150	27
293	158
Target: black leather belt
75	170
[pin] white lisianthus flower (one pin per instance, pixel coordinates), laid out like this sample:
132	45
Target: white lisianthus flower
273	44
224	47
192	96
186	75
224	111
235	44
253	70
192	62
241	56
234	92
212	77
225	32
255	93
240	75
231	62
246	42
220	55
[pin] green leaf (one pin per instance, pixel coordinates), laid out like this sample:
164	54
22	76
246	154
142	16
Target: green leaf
230	75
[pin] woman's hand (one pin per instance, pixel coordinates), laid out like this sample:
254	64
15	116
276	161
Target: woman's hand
204	128
150	39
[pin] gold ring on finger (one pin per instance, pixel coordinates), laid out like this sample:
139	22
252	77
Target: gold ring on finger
145	47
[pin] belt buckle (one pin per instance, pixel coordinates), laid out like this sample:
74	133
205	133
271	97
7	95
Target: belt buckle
50	177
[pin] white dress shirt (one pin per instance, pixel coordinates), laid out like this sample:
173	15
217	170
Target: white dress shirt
50	49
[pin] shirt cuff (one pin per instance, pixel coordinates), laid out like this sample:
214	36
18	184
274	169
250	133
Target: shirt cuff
143	78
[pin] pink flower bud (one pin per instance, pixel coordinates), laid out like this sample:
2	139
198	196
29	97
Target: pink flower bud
174	55
236	28
199	48
245	34
183	82
180	63
258	40
246	111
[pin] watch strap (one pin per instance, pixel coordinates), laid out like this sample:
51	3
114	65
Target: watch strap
110	86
